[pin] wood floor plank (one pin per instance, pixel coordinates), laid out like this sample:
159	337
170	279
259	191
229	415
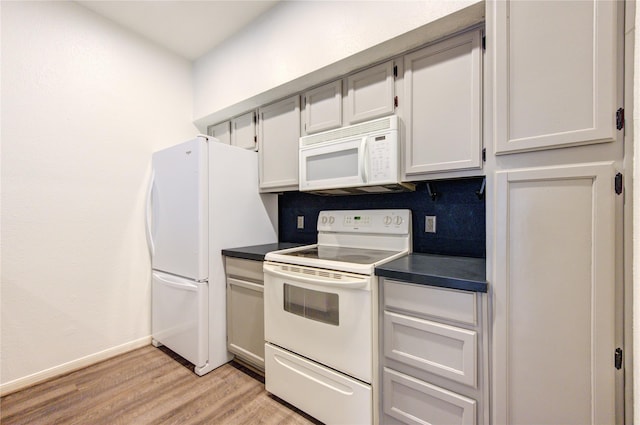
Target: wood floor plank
150	386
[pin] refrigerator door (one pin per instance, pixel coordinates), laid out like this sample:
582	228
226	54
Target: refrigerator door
179	210
179	317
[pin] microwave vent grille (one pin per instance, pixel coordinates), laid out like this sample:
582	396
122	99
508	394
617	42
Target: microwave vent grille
351	131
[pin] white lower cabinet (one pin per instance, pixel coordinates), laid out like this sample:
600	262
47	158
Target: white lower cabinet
434	355
245	310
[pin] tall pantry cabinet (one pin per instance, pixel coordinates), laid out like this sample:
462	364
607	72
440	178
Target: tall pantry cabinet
555	216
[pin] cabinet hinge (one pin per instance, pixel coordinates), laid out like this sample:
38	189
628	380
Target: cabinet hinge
618	358
618	184
255	118
484	154
395	71
484	42
620	118
395	101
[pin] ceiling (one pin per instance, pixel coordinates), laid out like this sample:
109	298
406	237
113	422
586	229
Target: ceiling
187	28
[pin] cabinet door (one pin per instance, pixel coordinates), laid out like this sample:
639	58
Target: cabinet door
323	108
221	131
245	320
554	295
279	137
554	74
443	106
370	93
243	131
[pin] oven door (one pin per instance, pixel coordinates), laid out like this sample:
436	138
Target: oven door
334	165
323	315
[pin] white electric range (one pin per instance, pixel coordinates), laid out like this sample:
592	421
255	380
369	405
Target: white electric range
321	313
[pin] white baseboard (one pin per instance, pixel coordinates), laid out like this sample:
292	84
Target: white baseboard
27	381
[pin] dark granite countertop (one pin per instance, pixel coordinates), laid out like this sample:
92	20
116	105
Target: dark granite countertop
445	271
257	252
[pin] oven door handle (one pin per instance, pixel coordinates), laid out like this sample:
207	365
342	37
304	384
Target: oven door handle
350	283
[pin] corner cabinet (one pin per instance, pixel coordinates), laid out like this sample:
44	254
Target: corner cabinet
434	353
553	87
554	296
278	138
245	310
443	107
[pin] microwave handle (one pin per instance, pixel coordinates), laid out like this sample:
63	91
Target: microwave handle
363	160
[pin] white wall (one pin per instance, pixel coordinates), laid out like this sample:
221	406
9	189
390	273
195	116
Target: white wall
84	103
298	38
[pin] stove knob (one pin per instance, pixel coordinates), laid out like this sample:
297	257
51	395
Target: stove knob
387	219
331	220
324	219
398	220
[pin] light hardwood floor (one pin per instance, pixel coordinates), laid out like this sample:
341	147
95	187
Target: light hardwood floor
149	386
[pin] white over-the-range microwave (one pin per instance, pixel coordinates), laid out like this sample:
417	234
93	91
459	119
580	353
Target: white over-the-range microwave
361	158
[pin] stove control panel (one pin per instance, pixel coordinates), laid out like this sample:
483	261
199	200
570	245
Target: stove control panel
365	221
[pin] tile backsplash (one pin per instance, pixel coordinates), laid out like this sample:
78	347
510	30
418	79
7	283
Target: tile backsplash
460	215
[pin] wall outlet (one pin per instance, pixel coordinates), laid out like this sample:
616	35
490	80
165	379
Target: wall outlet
430	223
300	222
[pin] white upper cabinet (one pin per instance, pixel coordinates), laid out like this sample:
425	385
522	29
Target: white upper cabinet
279	133
243	131
370	94
554	73
442	106
323	108
221	131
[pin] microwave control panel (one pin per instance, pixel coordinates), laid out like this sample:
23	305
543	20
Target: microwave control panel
382	158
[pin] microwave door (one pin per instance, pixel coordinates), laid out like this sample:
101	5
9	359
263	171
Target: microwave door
335	165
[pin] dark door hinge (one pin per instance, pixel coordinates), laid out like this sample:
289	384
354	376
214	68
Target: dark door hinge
395	101
618	358
484	42
620	118
395	71
618	185
255	118
484	154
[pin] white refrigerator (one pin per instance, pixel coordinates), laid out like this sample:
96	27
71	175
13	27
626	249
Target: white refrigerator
203	197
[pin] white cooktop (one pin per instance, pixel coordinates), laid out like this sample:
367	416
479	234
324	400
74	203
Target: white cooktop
353	241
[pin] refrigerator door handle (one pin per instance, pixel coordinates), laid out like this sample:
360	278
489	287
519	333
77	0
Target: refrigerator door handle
177	283
148	217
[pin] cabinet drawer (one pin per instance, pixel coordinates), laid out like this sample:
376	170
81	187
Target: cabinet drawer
433	347
447	304
244	269
412	401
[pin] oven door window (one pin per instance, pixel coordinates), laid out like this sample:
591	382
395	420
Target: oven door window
314	305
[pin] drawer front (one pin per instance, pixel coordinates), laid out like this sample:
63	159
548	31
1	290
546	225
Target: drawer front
448	304
323	393
412	401
433	347
244	269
